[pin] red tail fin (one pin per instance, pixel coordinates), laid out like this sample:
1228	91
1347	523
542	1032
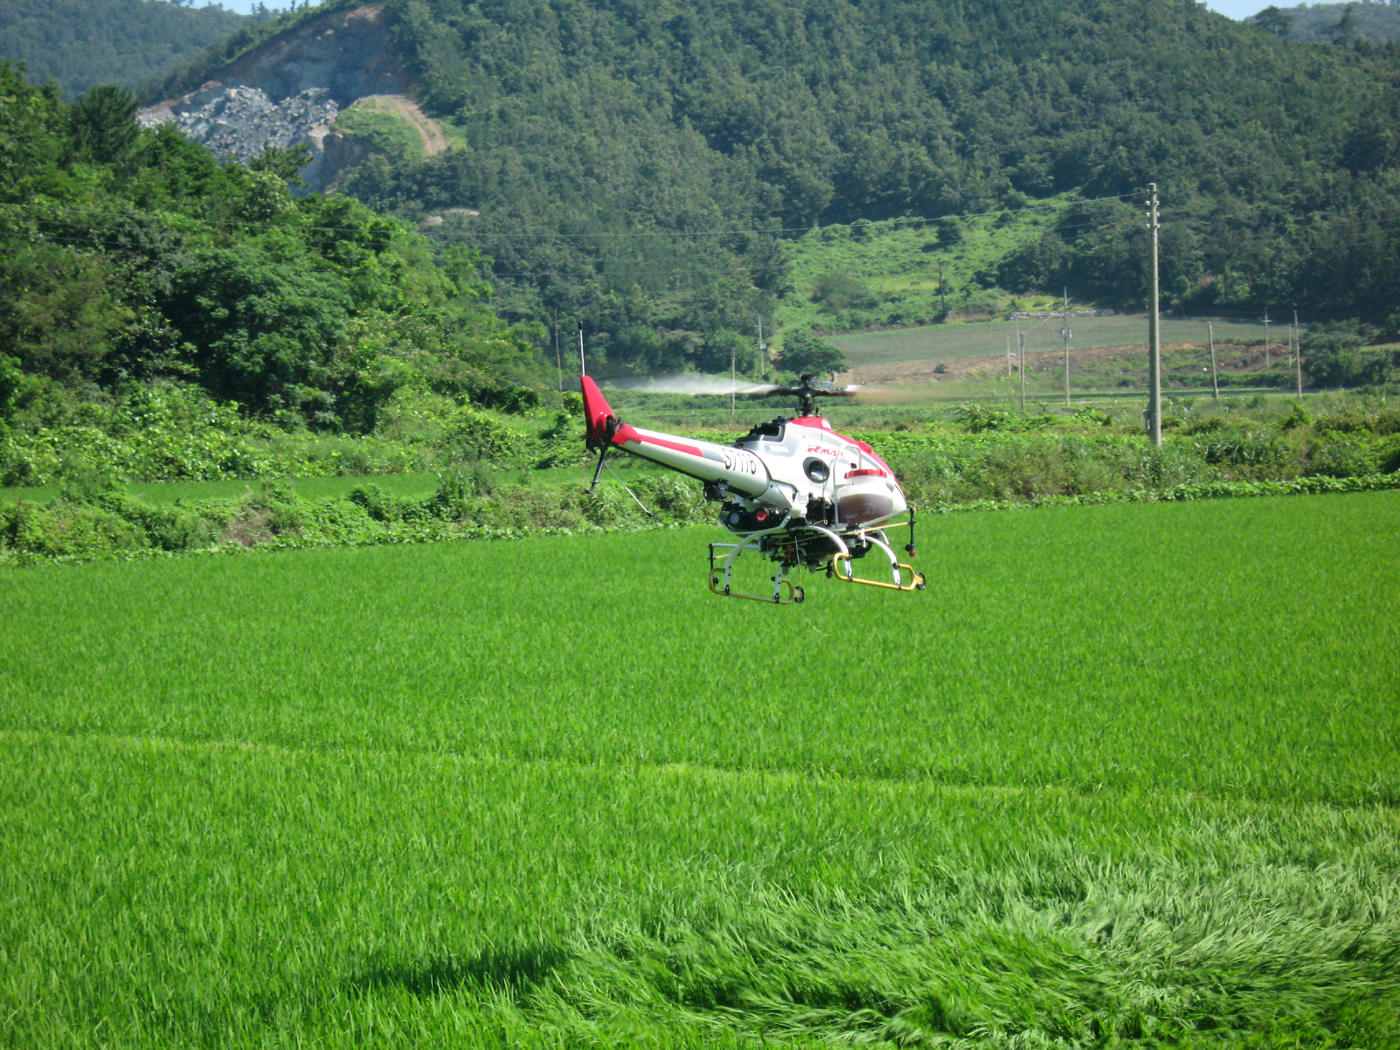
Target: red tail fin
596	413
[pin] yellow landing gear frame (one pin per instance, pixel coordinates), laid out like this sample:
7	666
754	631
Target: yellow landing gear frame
840	567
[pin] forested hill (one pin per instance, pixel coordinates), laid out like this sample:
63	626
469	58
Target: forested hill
610	140
1373	22
644	166
83	43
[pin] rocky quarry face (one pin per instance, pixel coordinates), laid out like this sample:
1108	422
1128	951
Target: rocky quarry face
288	92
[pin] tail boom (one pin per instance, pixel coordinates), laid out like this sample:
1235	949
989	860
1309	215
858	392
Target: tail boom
744	471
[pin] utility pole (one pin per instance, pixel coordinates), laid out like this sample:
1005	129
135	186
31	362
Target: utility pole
1021	363
558	361
942	291
1154	337
1064	334
762	351
1008	355
1298	353
1268	361
733	354
1214	375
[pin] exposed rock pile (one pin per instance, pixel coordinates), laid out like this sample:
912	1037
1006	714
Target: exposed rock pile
288	91
240	121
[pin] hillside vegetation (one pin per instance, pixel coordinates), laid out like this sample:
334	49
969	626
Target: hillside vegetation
1368	21
644	166
137	267
80	44
672	178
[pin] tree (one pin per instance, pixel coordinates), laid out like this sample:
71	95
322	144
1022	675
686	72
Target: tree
1344	30
1274	21
104	126
804	354
11	379
261	330
57	311
840	291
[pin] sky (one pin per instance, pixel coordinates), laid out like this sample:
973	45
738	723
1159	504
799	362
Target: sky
1229	8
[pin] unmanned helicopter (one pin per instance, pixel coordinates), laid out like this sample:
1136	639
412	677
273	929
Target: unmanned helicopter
792	490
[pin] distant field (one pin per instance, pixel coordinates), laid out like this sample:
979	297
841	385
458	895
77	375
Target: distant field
978	339
168	492
1120	775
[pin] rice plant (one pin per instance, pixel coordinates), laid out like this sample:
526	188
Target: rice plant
1121	775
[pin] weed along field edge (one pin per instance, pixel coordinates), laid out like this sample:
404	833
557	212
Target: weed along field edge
1123	775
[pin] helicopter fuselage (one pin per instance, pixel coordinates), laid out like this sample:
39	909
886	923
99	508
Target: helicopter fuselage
784	472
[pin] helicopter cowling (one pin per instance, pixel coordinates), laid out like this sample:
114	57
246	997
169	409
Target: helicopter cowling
835	479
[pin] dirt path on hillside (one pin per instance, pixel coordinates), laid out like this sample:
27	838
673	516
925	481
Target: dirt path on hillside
434	141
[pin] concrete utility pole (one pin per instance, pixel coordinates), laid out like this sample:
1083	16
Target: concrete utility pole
1214	375
1298	353
1021	361
1268	360
762	351
1154	336
1065	334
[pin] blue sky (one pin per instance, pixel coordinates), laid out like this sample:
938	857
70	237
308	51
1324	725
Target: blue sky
1230	8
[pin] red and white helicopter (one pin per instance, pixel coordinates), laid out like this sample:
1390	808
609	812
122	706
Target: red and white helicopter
791	489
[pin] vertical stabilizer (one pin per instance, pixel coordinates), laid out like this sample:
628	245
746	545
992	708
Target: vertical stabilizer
597	414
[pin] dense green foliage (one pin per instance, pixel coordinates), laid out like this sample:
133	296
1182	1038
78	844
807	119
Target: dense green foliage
626	159
131	256
81	44
1122	777
496	475
1373	21
673	178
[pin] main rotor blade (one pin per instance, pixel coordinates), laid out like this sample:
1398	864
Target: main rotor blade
723	386
695	384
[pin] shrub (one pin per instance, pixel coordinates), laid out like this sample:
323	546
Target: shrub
65	528
1342	457
1251	452
472	434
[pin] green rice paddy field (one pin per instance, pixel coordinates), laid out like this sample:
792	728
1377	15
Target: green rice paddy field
1122	776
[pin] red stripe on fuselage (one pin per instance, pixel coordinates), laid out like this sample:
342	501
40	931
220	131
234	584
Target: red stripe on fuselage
627	432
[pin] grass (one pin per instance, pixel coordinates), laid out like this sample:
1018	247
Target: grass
375	120
953	341
168	493
1122	775
899	263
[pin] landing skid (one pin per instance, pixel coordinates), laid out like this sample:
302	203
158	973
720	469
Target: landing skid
785	592
832	552
840	566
